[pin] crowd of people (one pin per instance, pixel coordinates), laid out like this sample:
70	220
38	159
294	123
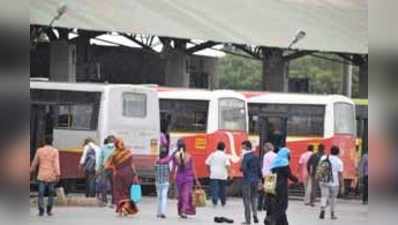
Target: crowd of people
110	169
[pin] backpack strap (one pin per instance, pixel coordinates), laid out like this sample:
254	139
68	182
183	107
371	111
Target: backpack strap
331	168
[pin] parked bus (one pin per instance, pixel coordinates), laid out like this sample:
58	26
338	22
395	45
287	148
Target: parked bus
203	118
71	112
311	119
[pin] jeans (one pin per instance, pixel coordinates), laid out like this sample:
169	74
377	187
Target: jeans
314	189
218	191
42	189
249	191
329	194
91	185
162	194
104	186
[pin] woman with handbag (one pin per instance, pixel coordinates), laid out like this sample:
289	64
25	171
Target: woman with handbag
185	175
279	199
124	175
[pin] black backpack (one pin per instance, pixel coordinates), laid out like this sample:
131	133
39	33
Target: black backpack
324	172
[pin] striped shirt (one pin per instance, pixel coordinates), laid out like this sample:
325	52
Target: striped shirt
162	170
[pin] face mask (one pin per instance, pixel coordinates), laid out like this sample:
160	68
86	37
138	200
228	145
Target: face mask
110	145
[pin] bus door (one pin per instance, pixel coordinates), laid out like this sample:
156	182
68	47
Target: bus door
41	125
273	129
363	135
362	129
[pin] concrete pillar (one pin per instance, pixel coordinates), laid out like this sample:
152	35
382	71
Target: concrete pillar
62	61
274	70
83	71
211	67
177	69
363	79
347	79
177	65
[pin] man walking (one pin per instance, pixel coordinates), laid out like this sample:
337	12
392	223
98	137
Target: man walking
105	177
88	162
218	164
250	168
312	165
305	178
330	174
46	162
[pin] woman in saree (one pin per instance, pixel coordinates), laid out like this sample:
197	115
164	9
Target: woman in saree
185	175
124	175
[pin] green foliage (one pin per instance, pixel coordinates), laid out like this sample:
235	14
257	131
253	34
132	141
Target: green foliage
325	76
239	73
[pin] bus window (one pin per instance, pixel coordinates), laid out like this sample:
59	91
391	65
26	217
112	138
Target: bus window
74	116
134	105
303	120
344	118
72	109
232	114
185	115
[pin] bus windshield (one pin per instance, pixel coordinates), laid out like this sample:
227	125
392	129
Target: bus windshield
188	116
232	114
303	120
344	115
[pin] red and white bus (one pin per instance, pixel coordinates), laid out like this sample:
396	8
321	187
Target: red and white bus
311	119
202	118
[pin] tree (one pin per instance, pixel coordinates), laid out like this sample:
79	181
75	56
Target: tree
239	73
325	76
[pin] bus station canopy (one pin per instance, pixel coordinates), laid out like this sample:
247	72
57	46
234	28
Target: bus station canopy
330	25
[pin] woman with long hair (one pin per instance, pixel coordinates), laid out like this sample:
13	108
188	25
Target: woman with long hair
185	175
162	177
124	175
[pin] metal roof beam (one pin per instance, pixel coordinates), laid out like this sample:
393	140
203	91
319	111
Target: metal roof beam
199	47
296	55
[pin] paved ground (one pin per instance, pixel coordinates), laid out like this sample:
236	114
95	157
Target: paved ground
349	213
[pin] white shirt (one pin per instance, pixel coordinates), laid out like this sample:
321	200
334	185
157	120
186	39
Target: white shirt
267	162
337	166
86	148
218	162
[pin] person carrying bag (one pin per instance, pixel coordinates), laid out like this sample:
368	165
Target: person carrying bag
199	197
270	182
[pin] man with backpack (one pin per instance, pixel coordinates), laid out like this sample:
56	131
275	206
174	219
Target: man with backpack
330	176
312	166
88	166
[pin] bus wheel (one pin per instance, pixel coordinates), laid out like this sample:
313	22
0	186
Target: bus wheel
235	187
